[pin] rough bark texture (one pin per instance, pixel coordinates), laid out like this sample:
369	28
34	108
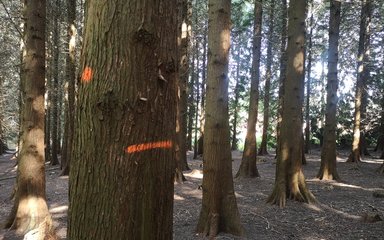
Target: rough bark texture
219	211
70	88
122	169
362	74
263	150
30	209
328	169
290	180
248	166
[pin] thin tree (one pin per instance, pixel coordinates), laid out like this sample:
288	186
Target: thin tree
308	83
328	169
283	67
70	88
263	150
122	166
55	83
30	210
362	74
248	166
219	211
181	123
290	181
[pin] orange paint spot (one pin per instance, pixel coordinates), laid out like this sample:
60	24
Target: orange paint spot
87	75
146	146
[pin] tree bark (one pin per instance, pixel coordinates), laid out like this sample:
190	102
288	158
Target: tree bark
30	209
308	85
283	67
181	124
263	150
248	167
122	169
362	74
290	180
219	211
70	88
328	170
55	84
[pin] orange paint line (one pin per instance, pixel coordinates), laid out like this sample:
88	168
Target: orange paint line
86	76
146	146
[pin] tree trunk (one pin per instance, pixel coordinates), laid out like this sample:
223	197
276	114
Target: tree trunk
328	169
263	150
191	106
307	146
55	83
70	87
122	169
290	180
197	100
236	102
30	209
200	148
181	129
248	166
362	74
219	211
283	67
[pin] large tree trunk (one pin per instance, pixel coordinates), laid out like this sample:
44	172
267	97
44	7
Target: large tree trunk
70	87
122	169
219	211
263	150
328	169
290	180
30	209
362	75
248	166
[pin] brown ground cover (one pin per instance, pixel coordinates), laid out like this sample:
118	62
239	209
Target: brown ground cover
345	210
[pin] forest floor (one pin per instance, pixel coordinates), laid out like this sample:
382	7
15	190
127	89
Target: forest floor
341	211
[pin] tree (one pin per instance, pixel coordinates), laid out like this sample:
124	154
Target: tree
362	75
328	169
181	123
283	67
70	88
30	210
122	167
263	150
219	211
307	145
55	83
290	180
248	166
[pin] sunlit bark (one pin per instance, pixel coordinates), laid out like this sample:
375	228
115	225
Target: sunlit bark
362	75
328	169
248	166
290	181
219	211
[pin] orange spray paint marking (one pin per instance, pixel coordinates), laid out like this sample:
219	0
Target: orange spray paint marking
146	146
87	75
